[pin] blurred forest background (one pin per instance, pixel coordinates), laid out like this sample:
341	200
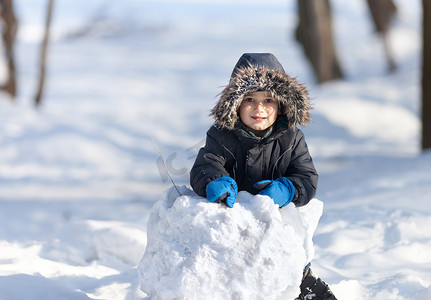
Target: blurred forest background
314	32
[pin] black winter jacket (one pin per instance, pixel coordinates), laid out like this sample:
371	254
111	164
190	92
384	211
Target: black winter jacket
236	154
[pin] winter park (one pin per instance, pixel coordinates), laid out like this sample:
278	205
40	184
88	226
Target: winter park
88	209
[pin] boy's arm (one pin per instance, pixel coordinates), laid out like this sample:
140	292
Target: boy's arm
301	172
209	163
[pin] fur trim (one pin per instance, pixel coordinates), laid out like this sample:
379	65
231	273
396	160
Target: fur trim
291	95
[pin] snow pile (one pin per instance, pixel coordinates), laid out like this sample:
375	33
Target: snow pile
201	250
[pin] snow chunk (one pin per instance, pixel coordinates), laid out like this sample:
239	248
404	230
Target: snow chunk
201	250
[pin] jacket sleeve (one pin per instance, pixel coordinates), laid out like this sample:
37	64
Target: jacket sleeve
209	163
301	172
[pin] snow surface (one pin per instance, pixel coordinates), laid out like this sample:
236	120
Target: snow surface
79	176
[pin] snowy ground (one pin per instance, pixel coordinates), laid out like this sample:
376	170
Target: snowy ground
79	176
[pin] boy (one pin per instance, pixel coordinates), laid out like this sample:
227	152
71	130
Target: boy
255	145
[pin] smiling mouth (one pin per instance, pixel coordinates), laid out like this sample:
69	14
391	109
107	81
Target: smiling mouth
258	118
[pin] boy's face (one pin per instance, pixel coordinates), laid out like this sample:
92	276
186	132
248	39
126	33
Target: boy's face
258	110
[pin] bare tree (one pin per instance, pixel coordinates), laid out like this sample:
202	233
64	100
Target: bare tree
9	30
426	76
382	13
314	32
43	54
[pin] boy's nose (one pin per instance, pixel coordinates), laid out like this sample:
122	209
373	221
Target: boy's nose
259	106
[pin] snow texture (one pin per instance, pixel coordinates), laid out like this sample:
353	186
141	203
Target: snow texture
201	250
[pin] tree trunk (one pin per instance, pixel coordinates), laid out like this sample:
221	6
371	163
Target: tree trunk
382	12
426	76
9	33
43	54
314	32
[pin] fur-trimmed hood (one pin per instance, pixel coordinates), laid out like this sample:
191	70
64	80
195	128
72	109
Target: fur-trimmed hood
262	72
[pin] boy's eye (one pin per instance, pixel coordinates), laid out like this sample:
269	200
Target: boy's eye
249	99
269	100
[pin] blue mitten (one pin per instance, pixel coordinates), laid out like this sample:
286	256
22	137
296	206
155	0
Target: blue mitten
222	189
281	190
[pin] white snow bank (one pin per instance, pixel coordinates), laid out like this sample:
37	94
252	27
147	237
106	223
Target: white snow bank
201	250
361	118
82	242
36	287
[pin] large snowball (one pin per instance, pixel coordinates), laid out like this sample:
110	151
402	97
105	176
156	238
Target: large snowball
202	250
